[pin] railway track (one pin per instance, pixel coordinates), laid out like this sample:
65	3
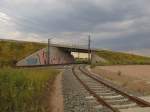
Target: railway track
105	96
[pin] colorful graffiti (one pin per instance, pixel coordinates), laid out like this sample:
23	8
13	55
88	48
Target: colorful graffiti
40	58
42	55
57	56
32	61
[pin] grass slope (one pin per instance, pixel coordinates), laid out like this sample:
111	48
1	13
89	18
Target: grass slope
24	90
12	51
114	58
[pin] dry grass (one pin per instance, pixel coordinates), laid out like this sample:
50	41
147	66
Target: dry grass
135	78
23	90
13	51
119	58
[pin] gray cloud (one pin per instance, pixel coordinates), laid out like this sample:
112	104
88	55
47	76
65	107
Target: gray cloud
115	24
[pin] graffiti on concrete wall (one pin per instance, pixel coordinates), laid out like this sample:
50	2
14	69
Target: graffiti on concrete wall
61	60
41	58
42	55
55	60
32	61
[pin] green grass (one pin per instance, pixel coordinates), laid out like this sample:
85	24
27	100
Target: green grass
13	51
24	90
118	58
80	60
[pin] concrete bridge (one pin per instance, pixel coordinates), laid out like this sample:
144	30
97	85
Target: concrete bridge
58	54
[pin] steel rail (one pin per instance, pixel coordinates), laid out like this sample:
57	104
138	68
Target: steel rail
137	100
98	98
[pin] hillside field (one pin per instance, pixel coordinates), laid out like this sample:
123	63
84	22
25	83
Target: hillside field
12	51
118	58
23	89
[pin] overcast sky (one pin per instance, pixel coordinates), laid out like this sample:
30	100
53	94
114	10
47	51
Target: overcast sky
114	24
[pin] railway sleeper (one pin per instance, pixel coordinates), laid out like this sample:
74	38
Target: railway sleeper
121	102
132	105
95	85
102	91
113	98
117	100
107	94
105	90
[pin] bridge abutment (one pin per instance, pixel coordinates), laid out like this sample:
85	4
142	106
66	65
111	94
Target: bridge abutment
56	56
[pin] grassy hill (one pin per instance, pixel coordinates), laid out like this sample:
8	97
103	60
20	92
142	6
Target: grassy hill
12	51
114	58
24	89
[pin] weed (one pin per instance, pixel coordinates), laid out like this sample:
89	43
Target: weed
119	73
21	90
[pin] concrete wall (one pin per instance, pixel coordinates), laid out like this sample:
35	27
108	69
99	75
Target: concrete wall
97	59
57	56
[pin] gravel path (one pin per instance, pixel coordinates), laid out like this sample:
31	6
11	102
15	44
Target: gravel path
74	97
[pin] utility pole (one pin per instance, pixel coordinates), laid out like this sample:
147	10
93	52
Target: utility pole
48	55
89	48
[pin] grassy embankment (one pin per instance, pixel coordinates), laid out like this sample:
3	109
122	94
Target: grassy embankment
25	90
13	51
118	58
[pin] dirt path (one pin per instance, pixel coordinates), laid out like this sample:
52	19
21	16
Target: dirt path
56	99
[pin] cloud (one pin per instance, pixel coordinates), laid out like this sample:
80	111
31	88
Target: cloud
114	24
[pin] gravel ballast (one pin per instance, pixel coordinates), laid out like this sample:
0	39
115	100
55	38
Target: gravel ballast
74	97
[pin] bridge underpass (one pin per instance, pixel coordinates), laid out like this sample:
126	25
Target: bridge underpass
55	55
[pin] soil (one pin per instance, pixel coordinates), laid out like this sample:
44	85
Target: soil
56	99
134	78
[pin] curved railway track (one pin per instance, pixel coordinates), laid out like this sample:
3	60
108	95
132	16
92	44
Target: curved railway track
108	96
